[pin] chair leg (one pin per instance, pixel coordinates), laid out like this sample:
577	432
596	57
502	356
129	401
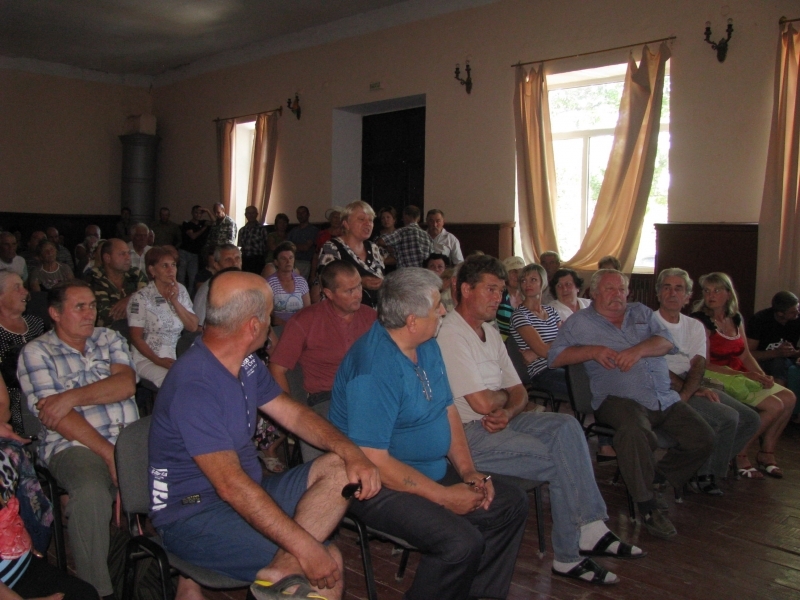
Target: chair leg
366	557
537	500
631	505
401	570
58	524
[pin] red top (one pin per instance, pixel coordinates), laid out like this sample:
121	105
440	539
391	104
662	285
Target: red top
725	351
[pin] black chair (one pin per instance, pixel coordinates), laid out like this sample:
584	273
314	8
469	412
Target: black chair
130	455
580	397
522	370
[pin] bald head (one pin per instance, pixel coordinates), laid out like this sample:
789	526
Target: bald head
234	297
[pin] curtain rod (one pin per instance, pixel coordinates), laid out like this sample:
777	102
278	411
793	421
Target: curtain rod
783	20
279	110
531	62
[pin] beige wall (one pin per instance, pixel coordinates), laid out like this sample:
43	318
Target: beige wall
720	112
59	151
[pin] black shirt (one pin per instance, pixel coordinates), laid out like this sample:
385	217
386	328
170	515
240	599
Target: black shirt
764	328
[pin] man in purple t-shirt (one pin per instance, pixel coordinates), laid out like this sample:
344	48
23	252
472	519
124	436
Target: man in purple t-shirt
210	504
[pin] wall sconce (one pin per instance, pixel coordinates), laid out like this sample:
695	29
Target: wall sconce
294	106
721	46
468	81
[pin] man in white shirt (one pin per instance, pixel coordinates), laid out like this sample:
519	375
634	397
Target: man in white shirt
138	246
733	422
444	242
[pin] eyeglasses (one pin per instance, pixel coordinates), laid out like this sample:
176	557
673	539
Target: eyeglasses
716	290
426	385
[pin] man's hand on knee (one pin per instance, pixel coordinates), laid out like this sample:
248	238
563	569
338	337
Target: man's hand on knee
319	565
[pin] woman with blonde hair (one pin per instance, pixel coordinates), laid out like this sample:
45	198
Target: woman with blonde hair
730	362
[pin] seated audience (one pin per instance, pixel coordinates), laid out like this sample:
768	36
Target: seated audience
26	511
354	247
49	272
512	296
139	246
247	526
731	363
392	398
318	337
277	236
224	257
9	261
63	255
566	285
504	439
289	290
304	236
436	263
534	327
410	244
609	262
31	252
733	422
253	242
551	262
623	346
387	217
114	281
334	216
444	242
773	335
157	315
447	283
85	250
79	380
16	330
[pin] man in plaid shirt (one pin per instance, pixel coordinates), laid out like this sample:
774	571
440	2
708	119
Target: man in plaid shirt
223	228
411	244
80	381
253	242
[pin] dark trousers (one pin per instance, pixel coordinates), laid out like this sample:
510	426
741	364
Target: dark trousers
635	442
43	579
463	556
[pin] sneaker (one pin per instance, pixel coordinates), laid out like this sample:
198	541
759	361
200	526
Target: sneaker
705	484
659	525
658	495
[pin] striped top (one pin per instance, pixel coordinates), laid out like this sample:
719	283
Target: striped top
548	330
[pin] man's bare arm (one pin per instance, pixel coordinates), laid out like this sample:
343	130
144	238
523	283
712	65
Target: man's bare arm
652	346
693	378
304	422
118	386
74	427
578	354
785	350
461	457
279	375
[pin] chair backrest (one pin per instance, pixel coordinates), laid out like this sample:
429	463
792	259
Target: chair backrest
580	392
131	458
37	306
517	360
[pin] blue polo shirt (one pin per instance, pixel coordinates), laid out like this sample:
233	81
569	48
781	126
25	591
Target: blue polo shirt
647	382
202	408
380	399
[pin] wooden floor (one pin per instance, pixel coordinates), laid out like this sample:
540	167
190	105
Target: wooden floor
742	545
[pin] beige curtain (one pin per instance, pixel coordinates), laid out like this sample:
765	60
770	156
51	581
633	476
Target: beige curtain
265	146
225	133
536	179
779	224
616	225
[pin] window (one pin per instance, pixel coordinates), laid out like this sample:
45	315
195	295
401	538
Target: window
244	136
584	107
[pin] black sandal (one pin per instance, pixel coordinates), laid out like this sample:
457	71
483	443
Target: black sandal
601	548
587	565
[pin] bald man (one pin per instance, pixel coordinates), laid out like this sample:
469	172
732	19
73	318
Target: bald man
209	501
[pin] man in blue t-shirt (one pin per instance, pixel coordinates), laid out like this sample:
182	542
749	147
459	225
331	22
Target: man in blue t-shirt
391	396
210	504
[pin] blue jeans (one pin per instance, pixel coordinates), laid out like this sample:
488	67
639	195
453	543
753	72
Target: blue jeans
547	447
733	423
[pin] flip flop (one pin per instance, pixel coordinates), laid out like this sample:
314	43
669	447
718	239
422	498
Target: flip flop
771	469
587	565
601	548
264	590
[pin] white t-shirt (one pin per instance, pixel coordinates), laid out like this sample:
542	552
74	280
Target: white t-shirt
162	326
564	311
689	336
473	365
137	260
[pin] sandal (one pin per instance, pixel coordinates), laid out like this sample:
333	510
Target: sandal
748	472
770	468
264	590
587	565
601	548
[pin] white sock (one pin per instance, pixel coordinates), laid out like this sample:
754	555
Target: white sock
591	534
566	567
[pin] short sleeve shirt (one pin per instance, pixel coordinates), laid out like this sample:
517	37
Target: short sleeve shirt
547	329
287	303
48	366
412	245
107	294
303	235
162	326
446	243
474	365
764	328
382	400
202	408
689	336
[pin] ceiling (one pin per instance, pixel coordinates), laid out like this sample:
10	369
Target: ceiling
146	39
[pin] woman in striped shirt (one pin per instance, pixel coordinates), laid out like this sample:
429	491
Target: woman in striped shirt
534	327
